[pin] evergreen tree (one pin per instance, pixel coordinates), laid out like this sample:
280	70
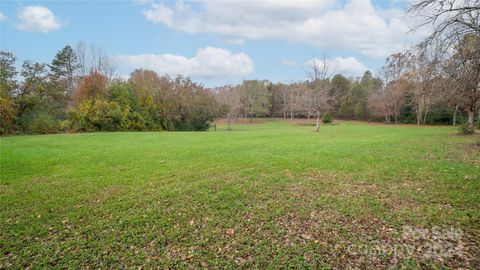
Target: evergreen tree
64	66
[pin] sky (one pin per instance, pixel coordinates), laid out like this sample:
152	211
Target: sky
214	42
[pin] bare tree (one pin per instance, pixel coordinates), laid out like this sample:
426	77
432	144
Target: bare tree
230	97
321	96
297	92
81	53
451	19
388	100
94	59
463	71
423	72
393	75
456	27
284	93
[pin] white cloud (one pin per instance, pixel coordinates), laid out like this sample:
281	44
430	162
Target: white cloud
37	19
2	17
159	13
348	66
208	63
355	24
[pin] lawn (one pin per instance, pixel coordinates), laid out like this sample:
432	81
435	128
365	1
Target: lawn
267	195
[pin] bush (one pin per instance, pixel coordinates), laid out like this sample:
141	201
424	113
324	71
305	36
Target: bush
464	129
43	123
99	115
327	118
137	121
64	125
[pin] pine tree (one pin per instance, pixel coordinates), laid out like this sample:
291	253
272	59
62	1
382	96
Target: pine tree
64	66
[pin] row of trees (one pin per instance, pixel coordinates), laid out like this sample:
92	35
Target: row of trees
412	88
437	81
428	85
345	97
401	94
79	93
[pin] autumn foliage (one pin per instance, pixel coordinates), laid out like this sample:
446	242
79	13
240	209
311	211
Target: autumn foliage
92	86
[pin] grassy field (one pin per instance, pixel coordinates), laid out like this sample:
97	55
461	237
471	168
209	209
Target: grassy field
262	196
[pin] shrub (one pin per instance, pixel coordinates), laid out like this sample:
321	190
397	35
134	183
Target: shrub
64	125
327	118
137	121
464	129
43	123
99	115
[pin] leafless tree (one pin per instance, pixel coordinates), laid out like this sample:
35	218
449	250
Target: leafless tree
462	69
284	94
423	72
395	83
321	96
230	97
450	19
94	59
456	28
297	93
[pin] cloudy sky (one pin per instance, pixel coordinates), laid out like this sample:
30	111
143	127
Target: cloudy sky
215	42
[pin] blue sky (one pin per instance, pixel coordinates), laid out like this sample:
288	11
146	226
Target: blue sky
215	42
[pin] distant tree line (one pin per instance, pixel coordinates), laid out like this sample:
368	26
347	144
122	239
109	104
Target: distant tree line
78	92
409	89
435	82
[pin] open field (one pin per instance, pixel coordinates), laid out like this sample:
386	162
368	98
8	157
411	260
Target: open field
261	196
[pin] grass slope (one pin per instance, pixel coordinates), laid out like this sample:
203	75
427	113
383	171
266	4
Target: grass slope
262	196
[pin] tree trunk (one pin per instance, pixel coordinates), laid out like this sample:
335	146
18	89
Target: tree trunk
229	119
455	115
395	113
478	119
317	128
471	123
419	110
427	108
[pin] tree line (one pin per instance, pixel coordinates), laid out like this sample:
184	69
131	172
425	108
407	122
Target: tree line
434	82
413	87
78	91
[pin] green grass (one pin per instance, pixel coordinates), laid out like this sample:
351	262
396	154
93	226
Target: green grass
265	195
